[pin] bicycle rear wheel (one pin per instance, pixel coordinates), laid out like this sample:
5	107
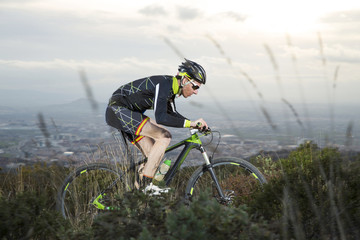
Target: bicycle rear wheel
91	188
237	178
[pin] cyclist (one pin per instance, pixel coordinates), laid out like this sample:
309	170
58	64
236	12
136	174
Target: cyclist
128	103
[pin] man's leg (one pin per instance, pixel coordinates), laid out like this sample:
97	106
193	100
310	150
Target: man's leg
144	145
156	138
154	150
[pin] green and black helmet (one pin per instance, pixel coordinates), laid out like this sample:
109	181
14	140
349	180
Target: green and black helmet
193	71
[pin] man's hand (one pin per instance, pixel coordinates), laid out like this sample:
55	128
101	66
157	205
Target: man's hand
200	123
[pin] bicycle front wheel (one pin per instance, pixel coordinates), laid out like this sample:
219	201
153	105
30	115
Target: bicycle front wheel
237	178
88	189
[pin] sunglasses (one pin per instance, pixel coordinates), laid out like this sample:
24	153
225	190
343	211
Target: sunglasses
194	86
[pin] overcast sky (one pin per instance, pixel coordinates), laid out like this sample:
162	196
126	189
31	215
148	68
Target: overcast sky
258	50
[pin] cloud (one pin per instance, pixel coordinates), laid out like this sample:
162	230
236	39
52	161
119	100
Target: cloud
238	17
153	10
343	25
123	65
14	3
43	44
351	16
186	13
341	53
61	76
38	34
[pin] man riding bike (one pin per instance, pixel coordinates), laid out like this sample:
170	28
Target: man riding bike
128	103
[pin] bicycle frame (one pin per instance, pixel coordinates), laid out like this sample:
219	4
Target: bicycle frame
193	141
189	143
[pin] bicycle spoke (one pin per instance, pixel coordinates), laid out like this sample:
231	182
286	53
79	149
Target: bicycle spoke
88	190
238	182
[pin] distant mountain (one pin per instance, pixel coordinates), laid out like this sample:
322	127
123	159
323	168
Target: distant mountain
79	105
29	98
78	109
7	110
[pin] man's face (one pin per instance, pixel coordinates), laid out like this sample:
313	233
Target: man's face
190	87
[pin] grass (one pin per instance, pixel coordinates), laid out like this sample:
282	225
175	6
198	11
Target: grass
312	194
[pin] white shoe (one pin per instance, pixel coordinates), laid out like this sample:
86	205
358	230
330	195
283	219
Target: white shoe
154	190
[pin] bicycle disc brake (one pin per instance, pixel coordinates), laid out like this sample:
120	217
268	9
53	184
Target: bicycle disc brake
229	196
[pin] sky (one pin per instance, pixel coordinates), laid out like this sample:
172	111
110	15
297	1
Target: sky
302	51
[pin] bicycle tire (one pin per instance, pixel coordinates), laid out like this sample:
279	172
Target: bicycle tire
83	184
238	179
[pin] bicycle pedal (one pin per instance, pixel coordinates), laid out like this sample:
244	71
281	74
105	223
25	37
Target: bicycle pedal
153	190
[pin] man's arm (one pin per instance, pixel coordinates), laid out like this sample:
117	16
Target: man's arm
171	109
162	115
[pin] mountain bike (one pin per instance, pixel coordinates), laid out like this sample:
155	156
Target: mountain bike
94	187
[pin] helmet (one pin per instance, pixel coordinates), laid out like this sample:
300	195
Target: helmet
193	71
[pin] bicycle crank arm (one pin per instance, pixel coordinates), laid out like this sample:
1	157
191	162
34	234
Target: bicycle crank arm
96	202
101	206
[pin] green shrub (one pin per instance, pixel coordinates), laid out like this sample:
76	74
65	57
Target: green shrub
207	219
312	194
315	197
27	216
144	217
137	212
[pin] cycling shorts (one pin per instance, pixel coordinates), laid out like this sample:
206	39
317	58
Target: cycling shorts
127	121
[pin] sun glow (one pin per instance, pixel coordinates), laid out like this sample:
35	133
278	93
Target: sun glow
280	22
285	16
279	16
276	16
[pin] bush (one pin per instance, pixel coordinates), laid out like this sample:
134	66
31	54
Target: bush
27	216
207	219
137	212
315	198
312	194
144	217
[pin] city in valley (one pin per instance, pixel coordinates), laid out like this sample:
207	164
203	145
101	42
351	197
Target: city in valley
73	133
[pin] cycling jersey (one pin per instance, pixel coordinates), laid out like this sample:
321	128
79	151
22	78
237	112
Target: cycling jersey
155	92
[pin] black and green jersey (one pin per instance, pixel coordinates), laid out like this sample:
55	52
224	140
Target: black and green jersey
155	92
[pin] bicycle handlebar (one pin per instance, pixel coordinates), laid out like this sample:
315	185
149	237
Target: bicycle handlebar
200	129
203	130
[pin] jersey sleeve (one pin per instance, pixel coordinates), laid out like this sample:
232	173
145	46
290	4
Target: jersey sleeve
172	109
163	113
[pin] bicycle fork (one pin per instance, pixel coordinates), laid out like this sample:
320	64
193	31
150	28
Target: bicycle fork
212	173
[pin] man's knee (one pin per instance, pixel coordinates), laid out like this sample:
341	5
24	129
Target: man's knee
166	134
165	137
